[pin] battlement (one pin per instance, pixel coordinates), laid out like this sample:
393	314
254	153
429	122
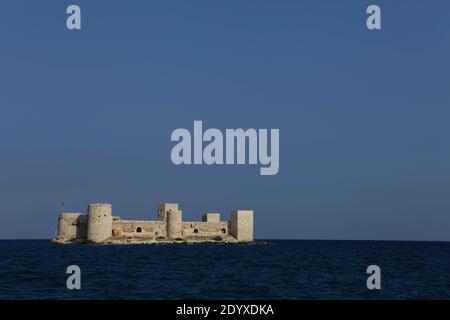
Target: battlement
99	226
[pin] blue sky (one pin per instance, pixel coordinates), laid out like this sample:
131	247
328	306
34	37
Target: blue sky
86	116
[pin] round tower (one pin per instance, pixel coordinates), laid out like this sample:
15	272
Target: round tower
99	226
68	225
173	224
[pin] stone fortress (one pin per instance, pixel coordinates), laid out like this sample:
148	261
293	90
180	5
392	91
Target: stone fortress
99	226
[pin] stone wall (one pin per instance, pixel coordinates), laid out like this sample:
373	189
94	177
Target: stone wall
208	229
140	228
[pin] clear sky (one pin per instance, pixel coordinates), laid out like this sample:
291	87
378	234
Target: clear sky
86	116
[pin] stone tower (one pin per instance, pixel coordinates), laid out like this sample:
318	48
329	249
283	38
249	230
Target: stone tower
163	208
173	224
69	225
241	225
99	226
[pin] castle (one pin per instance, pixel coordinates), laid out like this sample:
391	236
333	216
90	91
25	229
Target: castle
99	226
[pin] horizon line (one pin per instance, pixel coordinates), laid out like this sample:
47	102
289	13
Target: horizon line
268	239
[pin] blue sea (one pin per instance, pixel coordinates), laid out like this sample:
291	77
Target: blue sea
280	269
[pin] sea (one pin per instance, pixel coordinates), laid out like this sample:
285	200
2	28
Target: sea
274	269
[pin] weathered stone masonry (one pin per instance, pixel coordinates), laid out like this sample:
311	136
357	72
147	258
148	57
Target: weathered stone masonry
99	226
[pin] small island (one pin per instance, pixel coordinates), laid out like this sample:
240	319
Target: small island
99	226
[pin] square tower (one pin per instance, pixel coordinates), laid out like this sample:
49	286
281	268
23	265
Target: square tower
163	208
241	225
211	217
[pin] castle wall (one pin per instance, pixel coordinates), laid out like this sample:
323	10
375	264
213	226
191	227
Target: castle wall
130	228
204	229
99	227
